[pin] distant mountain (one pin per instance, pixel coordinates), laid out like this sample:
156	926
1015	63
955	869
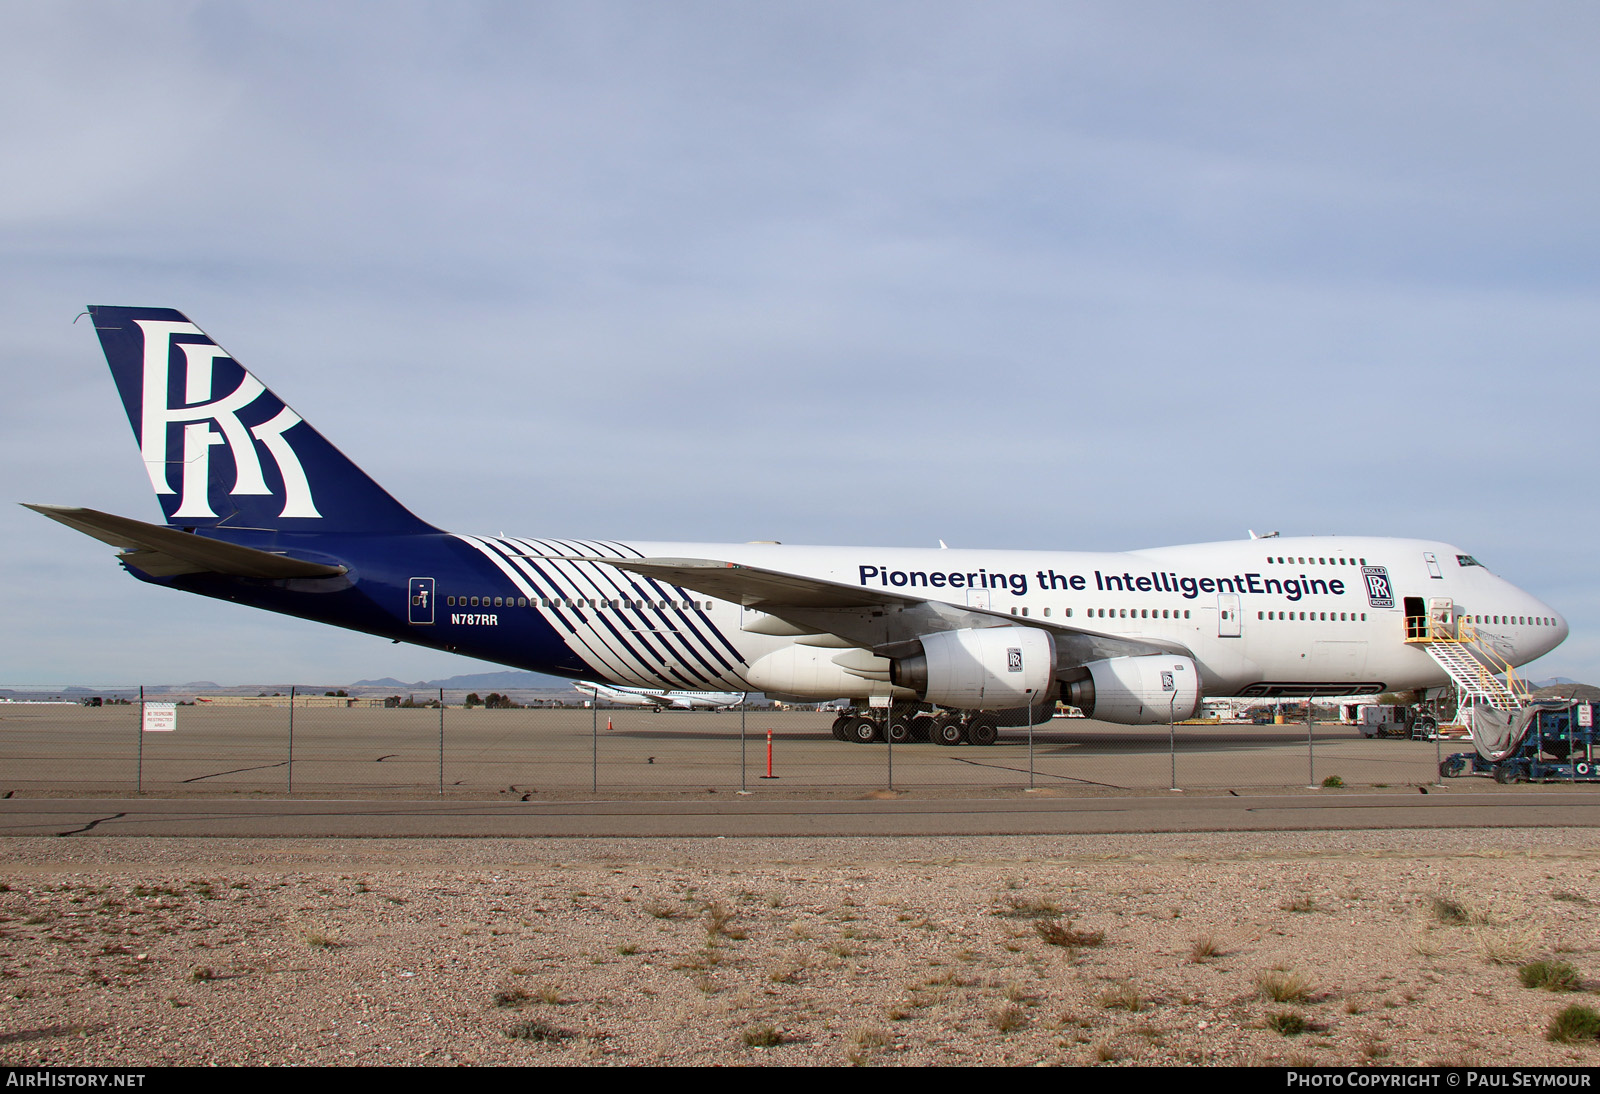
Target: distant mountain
474	681
1583	692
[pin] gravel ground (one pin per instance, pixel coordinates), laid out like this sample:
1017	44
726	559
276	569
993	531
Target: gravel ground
1384	948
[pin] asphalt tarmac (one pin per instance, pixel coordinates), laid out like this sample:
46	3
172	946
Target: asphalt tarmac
552	773
559	753
1475	806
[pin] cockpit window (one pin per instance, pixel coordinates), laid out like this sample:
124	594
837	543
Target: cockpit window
1467	560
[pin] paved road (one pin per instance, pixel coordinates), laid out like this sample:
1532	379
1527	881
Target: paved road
1485	807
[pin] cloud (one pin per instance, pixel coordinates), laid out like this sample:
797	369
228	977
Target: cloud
1096	275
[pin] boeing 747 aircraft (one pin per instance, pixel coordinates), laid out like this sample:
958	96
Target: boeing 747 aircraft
261	510
660	698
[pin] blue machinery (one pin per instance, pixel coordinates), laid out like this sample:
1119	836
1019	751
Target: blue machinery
1551	741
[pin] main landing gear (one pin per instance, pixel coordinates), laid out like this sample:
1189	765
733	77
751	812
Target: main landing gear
949	728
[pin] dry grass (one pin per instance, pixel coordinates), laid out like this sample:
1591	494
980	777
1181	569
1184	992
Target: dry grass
1450	911
762	1036
319	937
537	1029
718	919
1008	1017
1122	996
1574	1025
1289	1023
1284	986
1549	976
657	909
510	997
864	1042
1026	907
1509	945
1058	932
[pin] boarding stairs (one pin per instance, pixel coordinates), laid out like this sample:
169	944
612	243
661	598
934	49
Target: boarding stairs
1499	708
1479	672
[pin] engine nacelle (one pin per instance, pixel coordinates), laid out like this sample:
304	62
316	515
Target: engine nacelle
1137	691
981	668
809	672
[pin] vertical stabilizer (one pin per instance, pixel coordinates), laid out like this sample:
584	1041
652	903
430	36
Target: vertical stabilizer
221	450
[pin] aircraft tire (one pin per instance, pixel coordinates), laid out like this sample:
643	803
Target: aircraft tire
840	724
921	728
863	731
982	732
948	732
900	730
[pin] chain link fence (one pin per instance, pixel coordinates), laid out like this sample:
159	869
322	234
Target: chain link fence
442	743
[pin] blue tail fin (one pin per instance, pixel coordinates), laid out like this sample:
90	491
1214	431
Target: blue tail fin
221	450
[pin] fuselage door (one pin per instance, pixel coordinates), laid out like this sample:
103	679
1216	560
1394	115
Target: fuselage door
1228	622
1441	617
420	611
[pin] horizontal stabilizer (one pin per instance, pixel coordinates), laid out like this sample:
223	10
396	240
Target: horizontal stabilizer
166	552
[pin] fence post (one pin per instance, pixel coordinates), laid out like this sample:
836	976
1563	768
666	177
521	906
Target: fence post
138	781
1172	735
1311	751
1030	741
441	742
291	738
888	740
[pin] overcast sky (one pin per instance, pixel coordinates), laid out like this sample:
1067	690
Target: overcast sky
1062	275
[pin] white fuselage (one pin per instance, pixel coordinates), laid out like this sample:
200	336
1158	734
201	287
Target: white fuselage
1319	615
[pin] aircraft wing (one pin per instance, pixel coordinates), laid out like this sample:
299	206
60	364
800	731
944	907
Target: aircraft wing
874	619
166	552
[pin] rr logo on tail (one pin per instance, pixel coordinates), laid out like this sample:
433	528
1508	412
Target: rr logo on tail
201	417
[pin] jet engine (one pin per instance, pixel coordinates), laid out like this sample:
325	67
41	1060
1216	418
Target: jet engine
980	668
1147	690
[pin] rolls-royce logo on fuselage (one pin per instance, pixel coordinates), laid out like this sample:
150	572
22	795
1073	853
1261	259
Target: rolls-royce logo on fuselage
1379	593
